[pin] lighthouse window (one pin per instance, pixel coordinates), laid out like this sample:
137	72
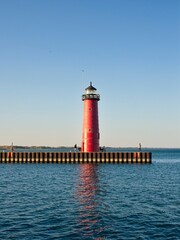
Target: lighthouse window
90	109
89	129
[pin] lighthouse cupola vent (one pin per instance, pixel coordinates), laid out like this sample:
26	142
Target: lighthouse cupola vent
90	93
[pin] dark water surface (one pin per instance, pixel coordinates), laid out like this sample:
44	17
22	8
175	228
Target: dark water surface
89	201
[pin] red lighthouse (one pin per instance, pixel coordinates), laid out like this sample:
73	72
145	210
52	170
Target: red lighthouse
90	133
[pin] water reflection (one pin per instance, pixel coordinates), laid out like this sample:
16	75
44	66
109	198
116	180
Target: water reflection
90	221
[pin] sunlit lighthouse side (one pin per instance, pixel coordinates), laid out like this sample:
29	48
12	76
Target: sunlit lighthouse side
90	133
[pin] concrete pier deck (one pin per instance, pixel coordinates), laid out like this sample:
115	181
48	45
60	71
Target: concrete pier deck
75	157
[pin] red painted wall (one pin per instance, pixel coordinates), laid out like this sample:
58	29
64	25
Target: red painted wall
90	136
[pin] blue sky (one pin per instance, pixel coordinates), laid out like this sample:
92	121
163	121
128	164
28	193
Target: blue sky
129	49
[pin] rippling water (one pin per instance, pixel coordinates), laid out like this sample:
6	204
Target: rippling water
89	201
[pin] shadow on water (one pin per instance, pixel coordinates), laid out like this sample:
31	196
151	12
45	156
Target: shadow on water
88	193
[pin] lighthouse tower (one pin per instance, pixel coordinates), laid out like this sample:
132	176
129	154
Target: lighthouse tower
90	133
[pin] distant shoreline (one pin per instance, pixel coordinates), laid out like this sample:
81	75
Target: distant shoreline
5	147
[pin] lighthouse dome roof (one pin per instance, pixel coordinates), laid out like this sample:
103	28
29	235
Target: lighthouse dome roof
91	88
90	93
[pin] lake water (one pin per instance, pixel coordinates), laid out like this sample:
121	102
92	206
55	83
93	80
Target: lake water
91	201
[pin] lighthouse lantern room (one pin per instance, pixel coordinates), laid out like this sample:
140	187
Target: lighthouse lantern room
90	133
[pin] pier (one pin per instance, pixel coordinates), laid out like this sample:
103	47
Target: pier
76	157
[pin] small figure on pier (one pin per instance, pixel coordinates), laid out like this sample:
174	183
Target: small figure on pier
102	149
75	147
139	147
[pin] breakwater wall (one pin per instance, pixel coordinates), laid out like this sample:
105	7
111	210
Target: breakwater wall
75	157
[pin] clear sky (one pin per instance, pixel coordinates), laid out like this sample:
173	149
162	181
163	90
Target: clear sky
129	49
